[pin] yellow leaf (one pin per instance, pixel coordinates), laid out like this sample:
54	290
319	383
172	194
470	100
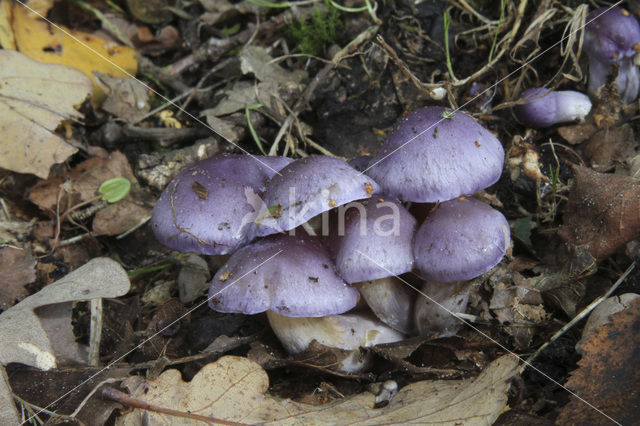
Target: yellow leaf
44	42
6	33
34	99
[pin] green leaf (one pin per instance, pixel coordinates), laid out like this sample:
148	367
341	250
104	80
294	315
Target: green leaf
114	190
522	230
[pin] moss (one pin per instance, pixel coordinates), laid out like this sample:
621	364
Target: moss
312	35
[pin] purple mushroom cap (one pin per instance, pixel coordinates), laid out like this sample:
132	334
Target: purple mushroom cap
543	109
290	275
308	187
460	240
372	239
613	35
207	207
435	155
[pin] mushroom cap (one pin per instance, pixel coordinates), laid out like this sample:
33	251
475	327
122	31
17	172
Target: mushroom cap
307	187
428	158
460	240
372	239
206	208
291	275
611	34
543	109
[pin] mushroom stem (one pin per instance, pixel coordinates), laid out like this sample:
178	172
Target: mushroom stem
391	301
346	331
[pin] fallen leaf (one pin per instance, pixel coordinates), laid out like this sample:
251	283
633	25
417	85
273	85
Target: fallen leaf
607	377
255	60
127	99
17	268
610	146
34	99
7	41
603	212
40	40
233	388
24	334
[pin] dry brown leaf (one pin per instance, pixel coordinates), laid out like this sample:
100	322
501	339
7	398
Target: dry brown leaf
34	99
609	146
233	388
17	268
608	376
603	212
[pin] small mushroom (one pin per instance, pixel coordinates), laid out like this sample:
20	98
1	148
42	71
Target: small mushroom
434	154
371	241
307	187
612	36
543	108
291	275
346	331
206	208
461	239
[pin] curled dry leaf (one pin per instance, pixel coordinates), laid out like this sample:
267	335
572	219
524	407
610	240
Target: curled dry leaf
608	376
34	99
603	212
28	338
233	388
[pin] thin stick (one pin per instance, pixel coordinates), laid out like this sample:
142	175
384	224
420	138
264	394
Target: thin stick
579	317
123	398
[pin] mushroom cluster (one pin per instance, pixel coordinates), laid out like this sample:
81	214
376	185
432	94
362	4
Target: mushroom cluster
308	237
612	39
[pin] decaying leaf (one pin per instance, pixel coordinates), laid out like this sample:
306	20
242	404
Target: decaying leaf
608	377
81	184
27	337
603	212
127	99
17	268
86	52
34	99
609	146
233	388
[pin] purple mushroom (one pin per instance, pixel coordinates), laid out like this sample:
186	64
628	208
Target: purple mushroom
207	208
613	36
434	154
290	275
372	239
308	187
460	240
542	108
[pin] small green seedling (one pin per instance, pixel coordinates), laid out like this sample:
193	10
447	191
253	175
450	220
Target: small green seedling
114	190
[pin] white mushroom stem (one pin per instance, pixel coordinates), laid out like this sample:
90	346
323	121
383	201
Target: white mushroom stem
391	300
436	319
346	331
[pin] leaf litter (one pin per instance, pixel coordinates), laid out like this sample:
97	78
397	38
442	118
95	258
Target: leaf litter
347	102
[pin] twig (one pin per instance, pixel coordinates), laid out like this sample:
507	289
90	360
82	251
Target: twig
215	48
578	317
123	398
